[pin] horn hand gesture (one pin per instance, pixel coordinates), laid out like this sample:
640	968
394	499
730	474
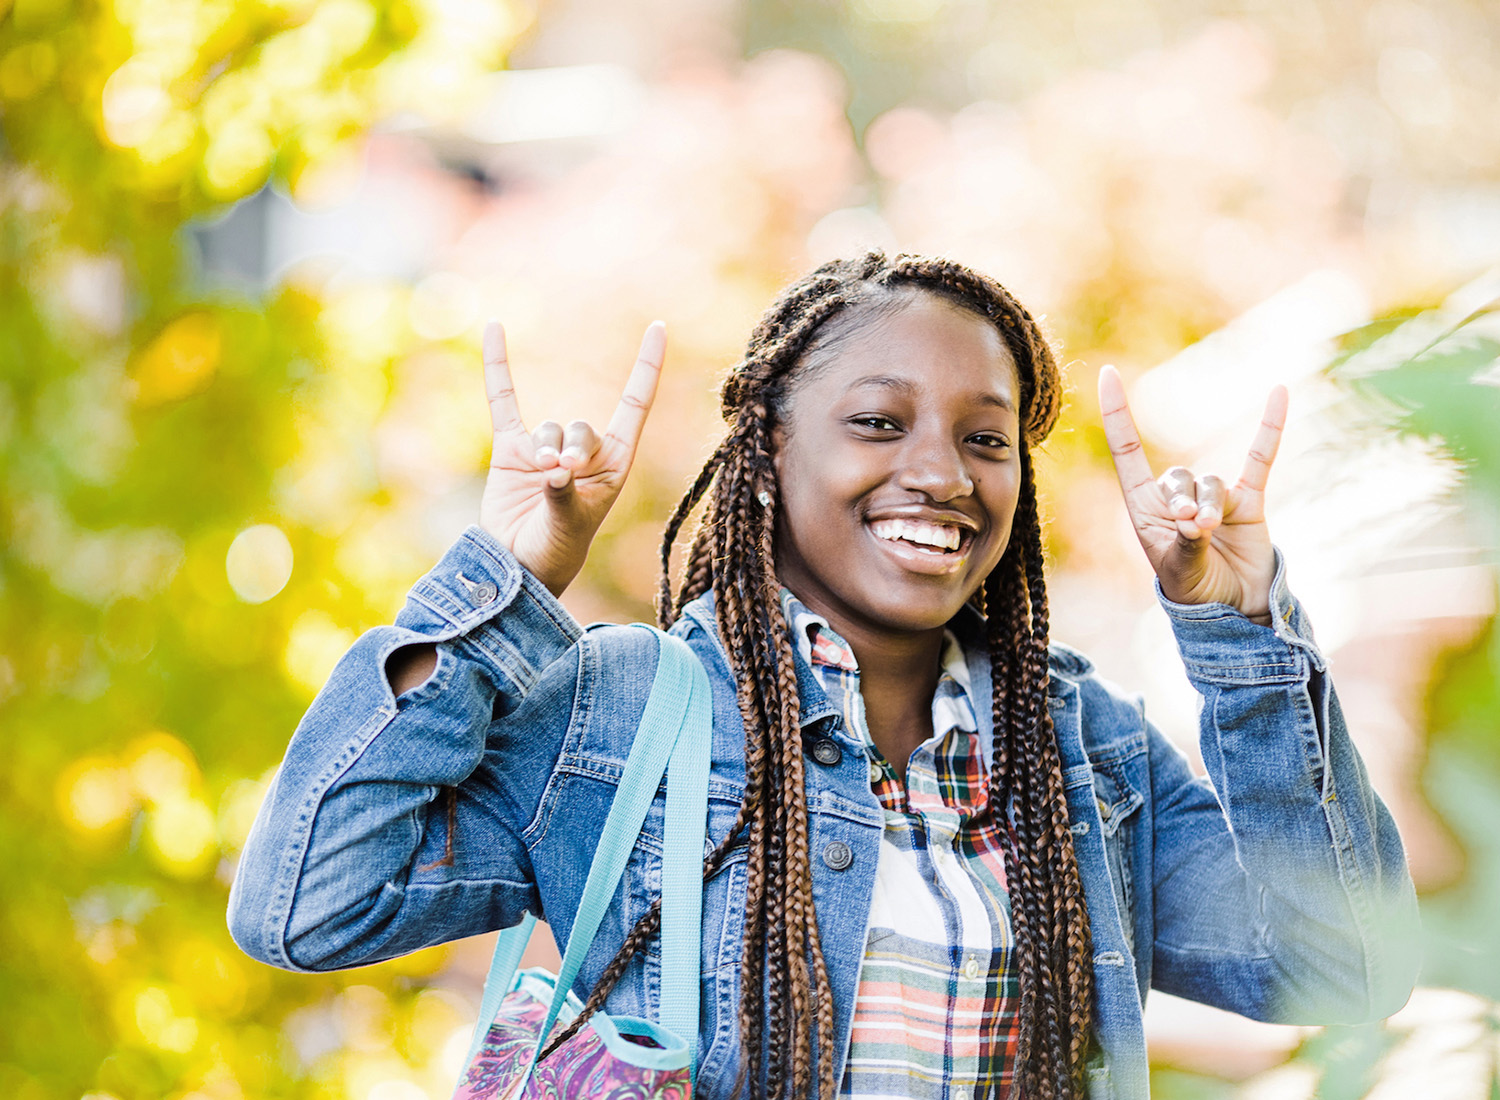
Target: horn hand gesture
1207	541
549	489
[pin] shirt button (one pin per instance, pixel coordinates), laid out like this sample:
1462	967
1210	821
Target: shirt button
826	752
971	968
877	773
960	1094
837	855
484	592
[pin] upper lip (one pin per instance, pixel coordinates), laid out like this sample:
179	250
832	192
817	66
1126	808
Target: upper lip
920	514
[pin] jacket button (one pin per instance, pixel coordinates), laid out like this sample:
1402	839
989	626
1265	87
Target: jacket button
827	752
484	592
1104	808
837	855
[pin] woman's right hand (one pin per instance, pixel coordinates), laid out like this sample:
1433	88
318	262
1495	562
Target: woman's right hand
548	490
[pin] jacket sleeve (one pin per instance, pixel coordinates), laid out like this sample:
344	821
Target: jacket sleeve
1281	887
345	862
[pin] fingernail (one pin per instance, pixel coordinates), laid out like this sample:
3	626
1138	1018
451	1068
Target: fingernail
546	454
573	453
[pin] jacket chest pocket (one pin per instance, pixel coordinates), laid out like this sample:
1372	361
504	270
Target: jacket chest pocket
723	907
1119	803
722	935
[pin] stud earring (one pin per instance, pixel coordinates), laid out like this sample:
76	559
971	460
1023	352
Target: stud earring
764	498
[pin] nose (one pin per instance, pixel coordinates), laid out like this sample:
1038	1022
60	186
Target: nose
935	467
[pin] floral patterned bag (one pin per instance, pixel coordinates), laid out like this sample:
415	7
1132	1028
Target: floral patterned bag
614	1056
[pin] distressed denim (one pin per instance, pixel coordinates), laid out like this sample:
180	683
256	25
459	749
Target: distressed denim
1276	887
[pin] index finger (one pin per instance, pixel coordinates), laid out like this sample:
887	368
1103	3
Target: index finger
1124	441
1267	439
505	411
625	425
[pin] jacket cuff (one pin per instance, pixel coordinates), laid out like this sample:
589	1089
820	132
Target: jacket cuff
485	602
1220	644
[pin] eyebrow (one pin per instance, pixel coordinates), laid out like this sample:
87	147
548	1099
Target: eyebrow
905	388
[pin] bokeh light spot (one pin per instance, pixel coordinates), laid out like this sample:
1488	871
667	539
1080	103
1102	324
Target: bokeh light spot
93	795
161	1024
313	647
161	766
237	160
133	102
181	834
180	361
259	562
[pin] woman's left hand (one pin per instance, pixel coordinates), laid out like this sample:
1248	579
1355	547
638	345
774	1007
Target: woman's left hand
1207	542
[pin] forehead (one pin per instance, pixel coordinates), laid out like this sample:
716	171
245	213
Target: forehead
920	338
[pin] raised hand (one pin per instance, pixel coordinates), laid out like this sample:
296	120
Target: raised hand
548	490
1207	543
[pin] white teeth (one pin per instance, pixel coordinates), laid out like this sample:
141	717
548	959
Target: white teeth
924	534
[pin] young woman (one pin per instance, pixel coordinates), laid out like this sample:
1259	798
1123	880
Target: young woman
947	860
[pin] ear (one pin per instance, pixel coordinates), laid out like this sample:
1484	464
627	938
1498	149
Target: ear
778	445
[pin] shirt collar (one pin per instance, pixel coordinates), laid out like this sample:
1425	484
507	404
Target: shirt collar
822	647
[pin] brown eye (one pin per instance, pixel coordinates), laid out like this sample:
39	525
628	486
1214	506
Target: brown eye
990	441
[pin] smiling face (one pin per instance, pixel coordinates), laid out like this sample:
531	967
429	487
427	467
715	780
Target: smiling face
899	469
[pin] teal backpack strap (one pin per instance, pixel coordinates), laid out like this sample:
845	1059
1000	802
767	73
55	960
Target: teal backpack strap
682	855
665	714
676	731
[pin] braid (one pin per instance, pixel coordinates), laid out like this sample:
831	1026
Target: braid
786	1010
1048	911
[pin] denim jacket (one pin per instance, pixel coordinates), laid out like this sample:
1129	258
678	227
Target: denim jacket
1276	887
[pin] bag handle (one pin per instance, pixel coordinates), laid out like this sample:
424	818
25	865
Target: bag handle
675	738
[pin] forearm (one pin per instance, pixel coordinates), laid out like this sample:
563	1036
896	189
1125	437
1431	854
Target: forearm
339	865
1310	856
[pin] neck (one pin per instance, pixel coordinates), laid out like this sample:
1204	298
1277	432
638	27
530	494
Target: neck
898	676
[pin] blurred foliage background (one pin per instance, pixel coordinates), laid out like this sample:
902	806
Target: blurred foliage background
247	249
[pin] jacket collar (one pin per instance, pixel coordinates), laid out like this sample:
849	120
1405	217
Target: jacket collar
967	625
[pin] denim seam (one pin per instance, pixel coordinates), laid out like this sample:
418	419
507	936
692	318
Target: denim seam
1246	675
279	916
1118	752
564	623
578	720
1312	746
438	887
827	802
585	767
1209	952
1352	881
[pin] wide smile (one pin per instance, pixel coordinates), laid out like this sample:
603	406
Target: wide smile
922	546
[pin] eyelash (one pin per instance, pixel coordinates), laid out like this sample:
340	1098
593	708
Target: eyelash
886	424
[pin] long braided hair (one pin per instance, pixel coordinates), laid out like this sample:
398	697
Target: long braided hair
786	1010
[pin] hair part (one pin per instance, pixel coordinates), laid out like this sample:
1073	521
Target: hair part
786	1009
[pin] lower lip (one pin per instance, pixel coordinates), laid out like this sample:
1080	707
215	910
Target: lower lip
914	560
